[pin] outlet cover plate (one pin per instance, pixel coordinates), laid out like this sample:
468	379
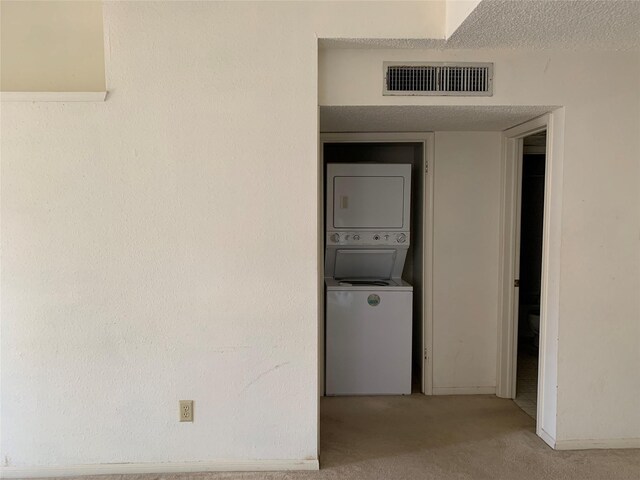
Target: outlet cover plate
186	410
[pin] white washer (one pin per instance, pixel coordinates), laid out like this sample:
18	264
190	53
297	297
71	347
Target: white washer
368	331
368	305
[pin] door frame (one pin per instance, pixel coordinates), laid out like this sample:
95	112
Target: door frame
428	150
511	184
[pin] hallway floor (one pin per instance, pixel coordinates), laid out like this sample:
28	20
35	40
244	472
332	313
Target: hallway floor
443	437
527	379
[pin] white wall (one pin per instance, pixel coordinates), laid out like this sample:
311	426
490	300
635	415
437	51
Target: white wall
599	262
465	265
456	12
138	234
162	245
51	46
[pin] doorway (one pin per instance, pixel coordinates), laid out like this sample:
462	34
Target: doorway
344	119
417	150
529	274
509	302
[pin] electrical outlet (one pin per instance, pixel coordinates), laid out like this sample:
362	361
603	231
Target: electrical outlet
186	410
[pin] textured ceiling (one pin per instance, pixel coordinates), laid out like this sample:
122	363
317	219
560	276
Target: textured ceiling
534	24
583	24
425	118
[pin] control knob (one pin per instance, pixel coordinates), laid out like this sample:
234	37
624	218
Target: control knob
356	237
335	238
401	238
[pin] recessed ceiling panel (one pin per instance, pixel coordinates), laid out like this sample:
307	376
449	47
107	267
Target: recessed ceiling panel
426	118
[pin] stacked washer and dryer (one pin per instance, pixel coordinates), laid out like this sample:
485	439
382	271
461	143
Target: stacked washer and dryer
368	305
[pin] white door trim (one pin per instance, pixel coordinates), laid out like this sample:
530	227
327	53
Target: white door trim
427	140
510	250
553	123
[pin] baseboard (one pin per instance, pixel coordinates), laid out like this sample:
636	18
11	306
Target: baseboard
53	96
548	439
174	467
464	390
598	444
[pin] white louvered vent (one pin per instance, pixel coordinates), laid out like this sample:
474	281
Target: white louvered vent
459	79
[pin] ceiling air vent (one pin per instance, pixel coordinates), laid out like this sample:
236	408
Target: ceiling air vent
459	79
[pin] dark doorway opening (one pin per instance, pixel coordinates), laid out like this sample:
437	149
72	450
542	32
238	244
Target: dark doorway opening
530	270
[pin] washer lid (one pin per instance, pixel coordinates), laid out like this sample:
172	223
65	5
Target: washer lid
395	285
366	283
364	263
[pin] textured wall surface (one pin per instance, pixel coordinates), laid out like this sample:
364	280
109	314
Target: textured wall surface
51	46
141	237
162	245
599	261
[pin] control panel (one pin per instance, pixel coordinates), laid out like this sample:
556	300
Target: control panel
368	238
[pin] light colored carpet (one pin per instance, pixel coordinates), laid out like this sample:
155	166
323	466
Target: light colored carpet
443	437
527	380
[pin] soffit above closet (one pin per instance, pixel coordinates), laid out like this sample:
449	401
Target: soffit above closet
426	118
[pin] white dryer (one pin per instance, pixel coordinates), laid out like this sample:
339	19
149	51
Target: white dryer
368	305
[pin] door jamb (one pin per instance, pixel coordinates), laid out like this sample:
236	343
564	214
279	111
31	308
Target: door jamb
512	141
428	149
512	151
